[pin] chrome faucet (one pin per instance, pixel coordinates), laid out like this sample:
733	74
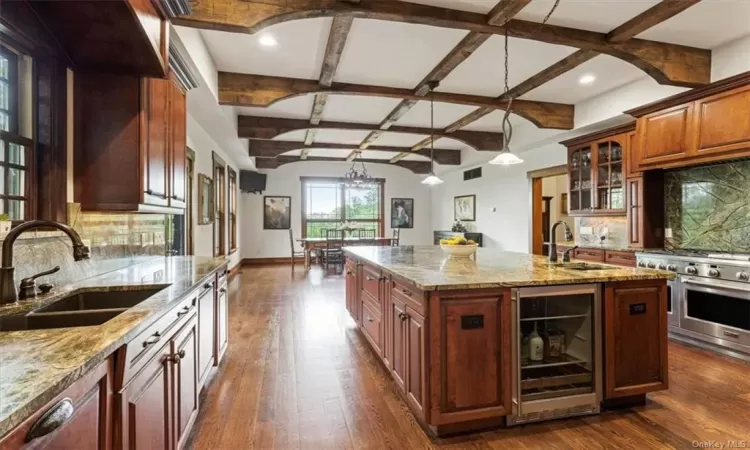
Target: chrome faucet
8	292
553	239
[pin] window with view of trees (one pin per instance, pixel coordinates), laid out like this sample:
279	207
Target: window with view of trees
329	202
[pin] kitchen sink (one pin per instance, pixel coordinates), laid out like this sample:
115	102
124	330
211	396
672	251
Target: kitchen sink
586	266
80	309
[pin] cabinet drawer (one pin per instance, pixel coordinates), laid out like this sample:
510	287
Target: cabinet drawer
408	294
371	281
371	324
619	258
590	254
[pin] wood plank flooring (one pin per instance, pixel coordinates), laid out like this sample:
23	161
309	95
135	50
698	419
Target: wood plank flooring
297	375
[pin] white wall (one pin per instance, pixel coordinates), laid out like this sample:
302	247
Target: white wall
201	143
731	59
554	187
399	182
507	189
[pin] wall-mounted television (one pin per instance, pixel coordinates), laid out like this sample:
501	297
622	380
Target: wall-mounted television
253	182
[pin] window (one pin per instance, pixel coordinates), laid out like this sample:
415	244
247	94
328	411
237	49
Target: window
8	90
220	195
232	208
327	202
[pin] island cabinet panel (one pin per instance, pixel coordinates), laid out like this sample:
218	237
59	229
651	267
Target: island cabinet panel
416	379
86	409
470	356
635	338
352	291
396	338
371	282
371	323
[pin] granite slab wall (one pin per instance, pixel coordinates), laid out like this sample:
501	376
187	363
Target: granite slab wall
616	237
708	207
116	241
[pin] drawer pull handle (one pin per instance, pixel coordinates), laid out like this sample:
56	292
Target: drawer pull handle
403	316
369	278
177	357
406	293
207	286
184	311
370	319
731	334
153	339
223	290
52	419
383	279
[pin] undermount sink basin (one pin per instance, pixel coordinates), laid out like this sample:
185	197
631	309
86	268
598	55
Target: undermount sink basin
585	266
80	309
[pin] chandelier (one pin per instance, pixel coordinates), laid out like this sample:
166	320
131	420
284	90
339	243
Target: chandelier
356	177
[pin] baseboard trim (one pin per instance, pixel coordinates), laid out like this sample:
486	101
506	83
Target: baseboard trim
254	262
235	270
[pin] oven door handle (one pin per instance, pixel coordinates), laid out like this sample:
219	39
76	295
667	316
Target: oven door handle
716	285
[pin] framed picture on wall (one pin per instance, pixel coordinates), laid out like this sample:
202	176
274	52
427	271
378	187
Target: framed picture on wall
205	200
464	208
402	213
277	212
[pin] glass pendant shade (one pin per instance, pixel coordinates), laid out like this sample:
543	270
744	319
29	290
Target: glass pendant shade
432	180
506	158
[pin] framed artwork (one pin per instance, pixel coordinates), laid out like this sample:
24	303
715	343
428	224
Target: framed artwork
402	213
277	212
564	203
464	208
205	200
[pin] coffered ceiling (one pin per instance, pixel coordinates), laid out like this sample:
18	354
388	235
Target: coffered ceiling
367	62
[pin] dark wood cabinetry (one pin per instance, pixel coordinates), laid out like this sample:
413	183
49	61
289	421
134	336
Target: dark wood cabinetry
86	409
645	217
397	341
130	143
352	290
185	383
635	337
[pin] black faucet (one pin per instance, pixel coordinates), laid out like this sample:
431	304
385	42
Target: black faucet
8	292
553	239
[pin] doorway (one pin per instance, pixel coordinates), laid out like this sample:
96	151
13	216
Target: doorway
549	203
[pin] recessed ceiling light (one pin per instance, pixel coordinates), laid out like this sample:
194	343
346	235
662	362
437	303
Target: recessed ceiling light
587	79
267	40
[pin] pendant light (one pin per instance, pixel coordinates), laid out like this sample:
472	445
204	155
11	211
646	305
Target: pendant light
432	179
355	177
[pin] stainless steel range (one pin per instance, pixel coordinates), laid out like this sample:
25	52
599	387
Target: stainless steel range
709	302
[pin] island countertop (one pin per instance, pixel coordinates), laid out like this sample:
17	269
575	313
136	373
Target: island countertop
430	269
36	365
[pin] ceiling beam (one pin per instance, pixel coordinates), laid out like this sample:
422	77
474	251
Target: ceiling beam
263	148
505	10
418	167
239	89
647	19
255	127
667	63
340	28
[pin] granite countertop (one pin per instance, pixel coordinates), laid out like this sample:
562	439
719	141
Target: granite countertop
36	365
429	268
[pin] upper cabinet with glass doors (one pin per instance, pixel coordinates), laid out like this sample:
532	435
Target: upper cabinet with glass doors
596	172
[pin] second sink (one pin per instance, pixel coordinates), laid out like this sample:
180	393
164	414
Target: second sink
97	300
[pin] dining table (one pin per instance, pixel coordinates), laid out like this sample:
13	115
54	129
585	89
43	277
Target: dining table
313	243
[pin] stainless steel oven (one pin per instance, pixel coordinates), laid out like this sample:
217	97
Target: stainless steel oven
674	300
718	309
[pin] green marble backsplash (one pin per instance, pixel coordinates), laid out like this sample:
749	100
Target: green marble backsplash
708	207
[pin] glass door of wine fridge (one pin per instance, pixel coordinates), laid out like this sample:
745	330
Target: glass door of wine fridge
557	352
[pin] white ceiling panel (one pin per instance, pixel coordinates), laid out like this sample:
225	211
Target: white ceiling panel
292	108
358	108
398	139
494	120
707	24
484	71
449	144
372	154
477	6
353	137
293	153
594	15
299	53
296	135
445	114
393	54
328	152
610	72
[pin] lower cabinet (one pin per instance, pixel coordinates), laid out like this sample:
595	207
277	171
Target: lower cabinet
185	383
222	318
635	338
206	333
396	338
351	290
83	412
415	361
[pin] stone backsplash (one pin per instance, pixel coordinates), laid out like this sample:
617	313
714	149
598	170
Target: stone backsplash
116	241
708	207
617	233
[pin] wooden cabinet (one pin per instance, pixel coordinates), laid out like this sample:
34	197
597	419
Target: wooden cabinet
397	341
185	383
222	315
415	380
352	291
130	143
645	215
589	254
85	416
597	168
703	125
635	338
620	258
206	334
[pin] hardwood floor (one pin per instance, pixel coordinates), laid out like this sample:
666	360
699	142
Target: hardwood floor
298	375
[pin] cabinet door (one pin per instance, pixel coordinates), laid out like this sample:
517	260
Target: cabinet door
206	333
609	173
635	338
722	122
185	380
145	415
631	153
156	148
635	212
416	393
397	340
664	138
351	292
580	197
178	137
222	322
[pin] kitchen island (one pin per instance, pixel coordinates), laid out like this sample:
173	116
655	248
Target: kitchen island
455	333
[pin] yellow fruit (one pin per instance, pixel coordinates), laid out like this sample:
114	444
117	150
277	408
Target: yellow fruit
461	240
470	242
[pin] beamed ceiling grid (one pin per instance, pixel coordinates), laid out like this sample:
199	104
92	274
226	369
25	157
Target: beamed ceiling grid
667	63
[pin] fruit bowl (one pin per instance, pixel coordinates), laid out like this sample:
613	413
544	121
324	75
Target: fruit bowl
460	251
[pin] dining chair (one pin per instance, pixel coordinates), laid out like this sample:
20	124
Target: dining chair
295	253
366	237
396	237
332	253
